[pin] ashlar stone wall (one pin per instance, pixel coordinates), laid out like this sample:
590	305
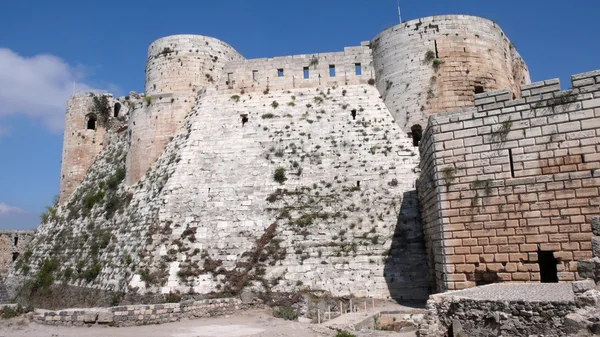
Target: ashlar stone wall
12	244
300	71
510	179
212	215
437	63
82	144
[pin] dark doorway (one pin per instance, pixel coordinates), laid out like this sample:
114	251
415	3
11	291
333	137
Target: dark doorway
91	123
416	134
15	256
548	271
16	240
117	109
244	119
353	114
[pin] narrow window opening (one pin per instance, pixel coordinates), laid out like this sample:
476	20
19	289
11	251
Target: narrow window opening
416	134
255	75
306	72
91	123
353	114
512	163
279	72
358	68
548	270
514	96
244	119
436	49
16	240
230	80
479	89
583	159
358	183
117	109
15	256
331	70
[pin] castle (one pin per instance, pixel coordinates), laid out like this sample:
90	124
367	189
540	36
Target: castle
300	172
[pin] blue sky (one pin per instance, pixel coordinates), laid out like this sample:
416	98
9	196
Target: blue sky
46	45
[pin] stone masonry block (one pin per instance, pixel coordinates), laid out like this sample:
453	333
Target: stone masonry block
594	103
596	225
596	246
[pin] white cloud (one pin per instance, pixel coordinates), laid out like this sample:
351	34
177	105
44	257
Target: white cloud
37	86
6	209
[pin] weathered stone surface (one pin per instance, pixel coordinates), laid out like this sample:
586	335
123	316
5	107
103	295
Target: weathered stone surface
596	225
596	246
589	298
580	287
487	316
90	317
105	317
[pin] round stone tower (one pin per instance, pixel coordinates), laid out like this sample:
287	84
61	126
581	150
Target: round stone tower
438	63
178	67
82	141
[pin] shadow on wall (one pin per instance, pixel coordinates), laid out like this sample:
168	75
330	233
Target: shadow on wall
406	272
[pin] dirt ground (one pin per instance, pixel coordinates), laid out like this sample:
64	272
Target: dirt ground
256	323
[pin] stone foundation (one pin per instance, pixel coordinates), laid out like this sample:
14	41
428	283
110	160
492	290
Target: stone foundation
142	314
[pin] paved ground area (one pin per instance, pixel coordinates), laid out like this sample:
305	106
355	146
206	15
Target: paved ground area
255	323
519	292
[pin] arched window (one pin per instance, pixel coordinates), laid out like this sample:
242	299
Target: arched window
91	122
416	134
117	109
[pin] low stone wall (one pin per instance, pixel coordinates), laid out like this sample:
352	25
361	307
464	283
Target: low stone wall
499	312
141	314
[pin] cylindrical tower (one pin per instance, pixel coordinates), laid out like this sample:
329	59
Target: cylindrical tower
83	140
438	63
177	67
183	63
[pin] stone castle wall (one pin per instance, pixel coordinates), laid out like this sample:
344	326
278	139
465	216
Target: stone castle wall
12	245
288	72
153	125
513	178
81	145
178	67
183	63
474	52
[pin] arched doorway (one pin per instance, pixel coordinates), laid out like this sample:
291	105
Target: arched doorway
117	109
416	134
91	122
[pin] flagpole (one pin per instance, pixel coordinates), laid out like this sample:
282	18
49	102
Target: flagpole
399	15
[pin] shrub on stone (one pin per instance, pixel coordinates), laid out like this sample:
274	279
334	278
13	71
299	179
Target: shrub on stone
342	333
287	313
274	104
45	276
279	175
91	273
429	56
114	180
371	81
